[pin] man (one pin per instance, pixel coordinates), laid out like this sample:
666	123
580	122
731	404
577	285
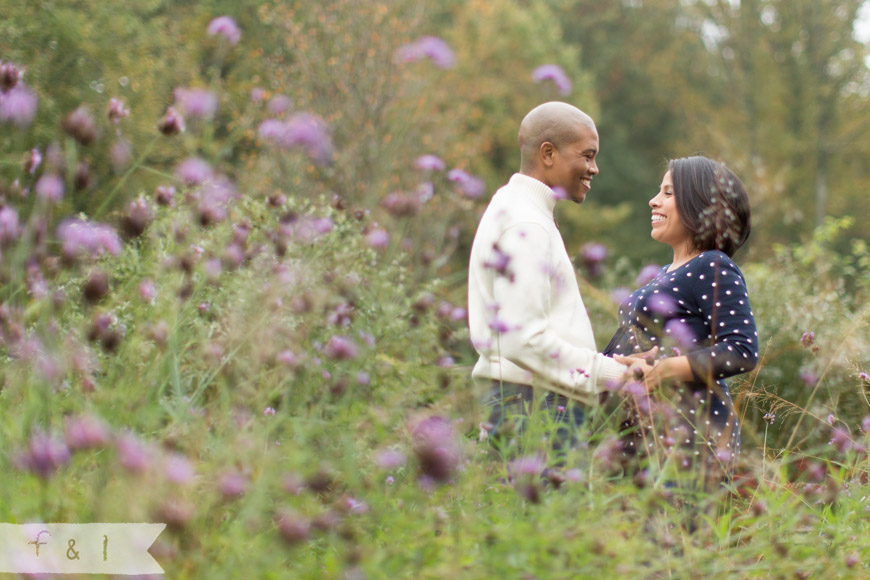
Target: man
526	316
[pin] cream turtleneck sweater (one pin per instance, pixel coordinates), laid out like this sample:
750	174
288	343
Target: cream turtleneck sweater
525	313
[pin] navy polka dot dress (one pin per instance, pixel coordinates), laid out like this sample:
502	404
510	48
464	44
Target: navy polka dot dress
701	310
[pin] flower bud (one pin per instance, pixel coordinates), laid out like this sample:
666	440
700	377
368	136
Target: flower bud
80	126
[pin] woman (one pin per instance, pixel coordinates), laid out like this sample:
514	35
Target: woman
697	311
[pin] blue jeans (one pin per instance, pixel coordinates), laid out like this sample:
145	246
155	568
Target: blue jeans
510	406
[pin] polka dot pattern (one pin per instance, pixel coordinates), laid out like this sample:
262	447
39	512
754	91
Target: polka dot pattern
701	310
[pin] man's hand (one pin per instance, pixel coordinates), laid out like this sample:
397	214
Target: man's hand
641	369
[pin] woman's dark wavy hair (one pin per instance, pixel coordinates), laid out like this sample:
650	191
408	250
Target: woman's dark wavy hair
712	203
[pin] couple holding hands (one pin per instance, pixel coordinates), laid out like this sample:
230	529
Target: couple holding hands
679	336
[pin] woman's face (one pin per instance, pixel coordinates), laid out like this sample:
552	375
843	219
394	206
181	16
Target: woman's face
667	227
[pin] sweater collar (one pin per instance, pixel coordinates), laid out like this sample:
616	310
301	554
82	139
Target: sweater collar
537	191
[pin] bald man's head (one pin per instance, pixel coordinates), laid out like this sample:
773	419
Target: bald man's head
559	147
554	122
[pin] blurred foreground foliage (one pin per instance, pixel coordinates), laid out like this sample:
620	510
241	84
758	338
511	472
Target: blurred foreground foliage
273	359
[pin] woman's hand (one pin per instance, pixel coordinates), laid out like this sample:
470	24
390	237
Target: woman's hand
640	369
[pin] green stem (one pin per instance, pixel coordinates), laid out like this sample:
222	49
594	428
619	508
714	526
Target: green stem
126	175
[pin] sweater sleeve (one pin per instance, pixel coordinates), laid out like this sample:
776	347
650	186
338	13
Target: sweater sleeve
723	300
521	316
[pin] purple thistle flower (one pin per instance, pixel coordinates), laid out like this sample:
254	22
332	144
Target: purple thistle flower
831	419
196	103
865	425
9	230
171	123
271	130
10	74
431	47
86	432
363	378
769	418
647	274
864	377
808	338
294	528
559	193
593	252
340	348
470	185
132	453
178	469
841	440
193	171
18	106
663	304
233	485
80	125
165	195
289	358
257	95
33	162
269	412
50	187
679	332
620	294
809	378
147	290
390	459
458	313
378	238
499	325
226	27
553	73
499	261
45	455
436	447
121	154
529	465
429	163
401	204
311	133
83	238
279	104
117	110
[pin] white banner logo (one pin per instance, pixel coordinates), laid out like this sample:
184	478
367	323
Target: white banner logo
78	548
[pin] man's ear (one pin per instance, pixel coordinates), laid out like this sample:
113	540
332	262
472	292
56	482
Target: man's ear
547	154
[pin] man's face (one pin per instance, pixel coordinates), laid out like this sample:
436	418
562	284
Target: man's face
574	165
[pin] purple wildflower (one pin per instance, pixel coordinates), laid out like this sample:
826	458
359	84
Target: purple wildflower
841	440
553	73
171	123
680	332
289	358
80	125
83	238
121	154
363	378
269	412
178	469
10	74
647	274
436	447
340	348
165	195
9	230
279	104
294	528
663	304
50	187
33	162
45	454
378	238
257	95
132	453
233	485
498	325
592	255
196	103
864	377
470	185
808	338
227	28
390	459
809	378
429	163
769	417
390	480
86	432
620	294
193	171
311	133
559	193
458	314
431	47
147	290
18	106
499	261
529	465
401	204
117	110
